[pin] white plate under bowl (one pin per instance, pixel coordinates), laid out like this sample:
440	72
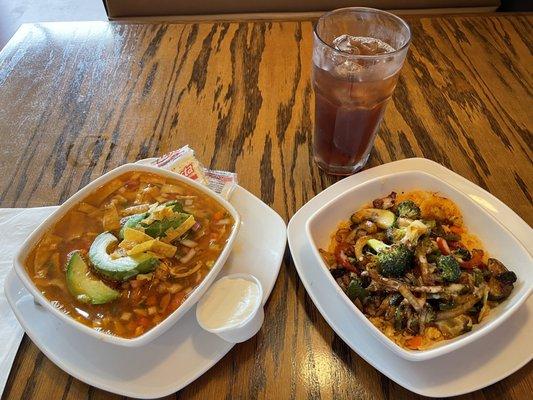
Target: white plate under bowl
181	354
499	241
484	362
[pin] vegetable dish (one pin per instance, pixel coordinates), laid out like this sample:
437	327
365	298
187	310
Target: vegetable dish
410	265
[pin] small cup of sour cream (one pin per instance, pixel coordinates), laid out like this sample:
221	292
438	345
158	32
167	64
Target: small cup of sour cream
232	308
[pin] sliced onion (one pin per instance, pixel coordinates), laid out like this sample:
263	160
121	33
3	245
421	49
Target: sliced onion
188	202
187	257
224	221
189	243
189	272
406	293
175	288
454	312
343	258
350	236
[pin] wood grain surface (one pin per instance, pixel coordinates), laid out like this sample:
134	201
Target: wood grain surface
78	99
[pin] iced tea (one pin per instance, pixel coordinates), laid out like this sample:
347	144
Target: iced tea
354	76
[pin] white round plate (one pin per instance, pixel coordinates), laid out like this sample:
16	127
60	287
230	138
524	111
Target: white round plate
181	354
486	361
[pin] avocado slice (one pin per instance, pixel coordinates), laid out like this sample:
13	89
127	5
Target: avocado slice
84	285
158	229
120	268
131	222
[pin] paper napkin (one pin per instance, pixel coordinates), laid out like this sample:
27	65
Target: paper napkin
15	225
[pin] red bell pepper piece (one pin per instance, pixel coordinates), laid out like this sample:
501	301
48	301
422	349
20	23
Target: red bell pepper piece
414	343
342	258
443	246
475	261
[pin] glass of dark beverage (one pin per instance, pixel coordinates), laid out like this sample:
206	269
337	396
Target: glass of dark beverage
357	55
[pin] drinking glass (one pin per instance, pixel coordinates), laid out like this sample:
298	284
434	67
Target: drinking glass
357	55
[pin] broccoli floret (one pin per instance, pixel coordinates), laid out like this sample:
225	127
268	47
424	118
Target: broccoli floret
395	235
408	235
413	232
408	209
449	268
462	253
355	290
392	260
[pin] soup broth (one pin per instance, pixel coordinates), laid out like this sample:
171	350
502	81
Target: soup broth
129	254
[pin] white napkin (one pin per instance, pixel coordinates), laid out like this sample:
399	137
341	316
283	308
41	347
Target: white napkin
15	225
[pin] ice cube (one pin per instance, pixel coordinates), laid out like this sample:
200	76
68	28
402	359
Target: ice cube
361	45
347	68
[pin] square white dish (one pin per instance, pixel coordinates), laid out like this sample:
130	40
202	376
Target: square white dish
192	298
492	358
499	242
180	355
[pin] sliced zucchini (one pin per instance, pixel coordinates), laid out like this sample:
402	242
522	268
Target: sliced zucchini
84	285
377	245
382	218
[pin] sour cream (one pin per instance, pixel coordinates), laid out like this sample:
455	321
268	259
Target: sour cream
228	303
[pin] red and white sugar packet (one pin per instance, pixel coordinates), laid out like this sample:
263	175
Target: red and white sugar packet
184	162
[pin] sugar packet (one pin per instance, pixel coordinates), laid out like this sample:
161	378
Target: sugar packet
184	162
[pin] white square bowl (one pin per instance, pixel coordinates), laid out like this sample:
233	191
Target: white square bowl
170	320
497	240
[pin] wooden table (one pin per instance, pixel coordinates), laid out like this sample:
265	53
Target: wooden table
78	99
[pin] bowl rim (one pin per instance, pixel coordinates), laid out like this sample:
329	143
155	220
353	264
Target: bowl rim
414	355
171	319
